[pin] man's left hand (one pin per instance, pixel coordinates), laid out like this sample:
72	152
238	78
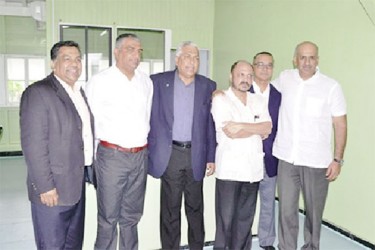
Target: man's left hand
333	171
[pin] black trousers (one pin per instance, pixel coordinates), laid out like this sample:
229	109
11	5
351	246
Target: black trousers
59	227
178	180
235	204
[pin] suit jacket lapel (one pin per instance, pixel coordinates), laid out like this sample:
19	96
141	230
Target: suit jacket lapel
60	91
274	103
167	93
199	96
63	95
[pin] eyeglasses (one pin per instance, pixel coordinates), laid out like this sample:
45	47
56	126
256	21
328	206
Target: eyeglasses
261	65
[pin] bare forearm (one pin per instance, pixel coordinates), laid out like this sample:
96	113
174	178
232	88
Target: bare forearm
262	128
340	127
243	130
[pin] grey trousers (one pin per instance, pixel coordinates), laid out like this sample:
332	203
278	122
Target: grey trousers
266	226
312	182
121	190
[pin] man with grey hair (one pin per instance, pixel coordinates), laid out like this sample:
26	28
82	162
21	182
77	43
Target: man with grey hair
312	104
120	98
182	145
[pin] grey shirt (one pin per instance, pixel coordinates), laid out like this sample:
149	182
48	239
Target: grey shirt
183	109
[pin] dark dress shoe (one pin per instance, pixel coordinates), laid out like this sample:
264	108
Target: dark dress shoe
268	247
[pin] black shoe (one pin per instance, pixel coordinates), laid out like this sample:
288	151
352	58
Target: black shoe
268	247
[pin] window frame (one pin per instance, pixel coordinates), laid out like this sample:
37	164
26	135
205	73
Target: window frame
85	52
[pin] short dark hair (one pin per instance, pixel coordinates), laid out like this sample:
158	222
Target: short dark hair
56	47
126	35
262	53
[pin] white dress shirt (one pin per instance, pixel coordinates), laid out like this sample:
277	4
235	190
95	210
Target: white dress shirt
121	107
239	159
305	121
84	113
265	93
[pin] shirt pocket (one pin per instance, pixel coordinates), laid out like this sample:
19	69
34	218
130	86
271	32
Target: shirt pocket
314	107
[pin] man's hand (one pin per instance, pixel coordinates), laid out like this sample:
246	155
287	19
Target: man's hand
210	168
333	171
50	198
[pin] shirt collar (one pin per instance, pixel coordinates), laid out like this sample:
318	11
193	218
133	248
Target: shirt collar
257	89
76	86
316	75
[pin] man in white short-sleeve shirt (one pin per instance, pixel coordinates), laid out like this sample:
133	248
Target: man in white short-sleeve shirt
311	105
242	121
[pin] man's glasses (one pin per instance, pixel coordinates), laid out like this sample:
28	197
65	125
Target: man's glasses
261	65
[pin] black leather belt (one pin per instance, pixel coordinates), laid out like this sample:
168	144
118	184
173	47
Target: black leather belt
182	144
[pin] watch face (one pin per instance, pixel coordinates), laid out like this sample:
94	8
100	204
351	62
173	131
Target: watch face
341	162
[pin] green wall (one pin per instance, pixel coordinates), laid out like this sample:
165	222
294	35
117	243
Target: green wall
20	35
346	38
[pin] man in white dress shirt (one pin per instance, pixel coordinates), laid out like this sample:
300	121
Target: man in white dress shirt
120	98
263	68
241	120
312	104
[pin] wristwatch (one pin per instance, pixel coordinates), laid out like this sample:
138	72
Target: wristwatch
340	162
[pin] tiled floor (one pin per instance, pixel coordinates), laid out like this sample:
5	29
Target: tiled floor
16	232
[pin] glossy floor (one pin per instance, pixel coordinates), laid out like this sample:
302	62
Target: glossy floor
16	232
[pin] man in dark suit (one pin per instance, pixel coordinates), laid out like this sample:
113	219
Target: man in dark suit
263	68
182	145
57	142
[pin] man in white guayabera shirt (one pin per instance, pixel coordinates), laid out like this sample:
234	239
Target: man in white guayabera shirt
241	120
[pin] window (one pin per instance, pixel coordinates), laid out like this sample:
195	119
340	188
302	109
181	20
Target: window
97	47
21	63
156	48
95	43
21	71
150	66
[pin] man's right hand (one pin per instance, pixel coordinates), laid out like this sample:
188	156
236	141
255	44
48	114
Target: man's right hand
50	198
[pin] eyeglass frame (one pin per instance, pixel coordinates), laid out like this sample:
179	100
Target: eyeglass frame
261	65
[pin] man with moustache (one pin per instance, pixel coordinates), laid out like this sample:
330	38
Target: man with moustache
57	142
312	105
263	67
242	121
